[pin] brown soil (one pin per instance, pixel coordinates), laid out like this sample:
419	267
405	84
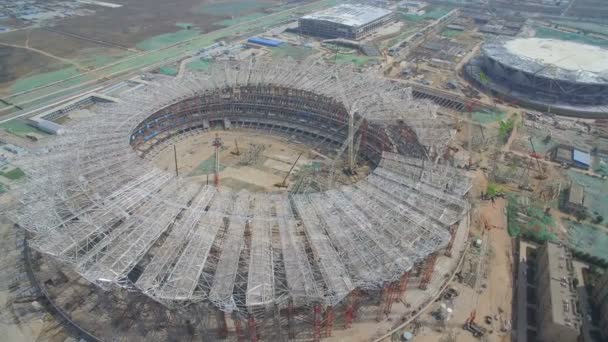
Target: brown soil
15	63
269	168
126	26
138	20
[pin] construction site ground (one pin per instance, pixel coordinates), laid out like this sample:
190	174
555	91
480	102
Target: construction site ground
366	328
264	160
495	284
21	320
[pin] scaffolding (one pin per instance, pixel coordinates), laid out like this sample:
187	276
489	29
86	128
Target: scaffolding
92	201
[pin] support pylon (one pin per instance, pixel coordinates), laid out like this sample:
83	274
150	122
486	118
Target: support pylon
329	321
317	323
403	283
383	298
222	325
217	143
427	272
351	142
290	322
253	334
448	248
351	309
391	297
238	329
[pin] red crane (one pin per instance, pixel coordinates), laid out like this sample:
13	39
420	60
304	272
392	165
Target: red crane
217	143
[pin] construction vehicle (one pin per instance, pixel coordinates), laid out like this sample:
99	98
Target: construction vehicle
473	327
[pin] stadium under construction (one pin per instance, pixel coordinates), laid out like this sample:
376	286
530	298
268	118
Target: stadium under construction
240	265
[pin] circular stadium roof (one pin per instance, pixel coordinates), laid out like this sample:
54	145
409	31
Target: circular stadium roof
552	58
561	54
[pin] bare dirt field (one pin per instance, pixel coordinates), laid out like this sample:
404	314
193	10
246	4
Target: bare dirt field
263	162
16	62
92	41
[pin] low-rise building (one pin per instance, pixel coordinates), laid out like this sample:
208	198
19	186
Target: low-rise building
558	313
563	154
569	155
581	159
576	198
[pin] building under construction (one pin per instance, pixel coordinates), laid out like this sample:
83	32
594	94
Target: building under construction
258	266
345	21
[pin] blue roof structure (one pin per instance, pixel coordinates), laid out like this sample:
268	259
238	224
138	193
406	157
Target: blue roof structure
581	157
265	41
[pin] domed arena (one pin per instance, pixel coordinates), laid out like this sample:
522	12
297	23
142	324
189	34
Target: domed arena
561	77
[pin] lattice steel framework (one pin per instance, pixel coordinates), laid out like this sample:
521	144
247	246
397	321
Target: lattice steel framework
94	203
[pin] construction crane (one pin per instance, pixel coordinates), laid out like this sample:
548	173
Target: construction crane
537	156
236	152
217	143
283	184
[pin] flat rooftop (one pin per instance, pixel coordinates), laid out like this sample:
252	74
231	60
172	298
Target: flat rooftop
563	297
577	194
349	15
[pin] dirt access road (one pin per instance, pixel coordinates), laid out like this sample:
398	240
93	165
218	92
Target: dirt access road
495	289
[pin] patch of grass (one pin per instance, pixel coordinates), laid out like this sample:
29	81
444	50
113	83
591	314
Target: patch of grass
432	13
529	221
596	191
338	48
34	81
505	129
230	7
435	13
587	238
167	70
357	60
3	188
199	65
408	31
241	19
602	167
295	52
159	41
413	18
13	174
583	26
451	33
20	128
206	167
493	189
96	58
185	26
488	116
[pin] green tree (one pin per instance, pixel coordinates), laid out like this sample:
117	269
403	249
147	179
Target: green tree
505	128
